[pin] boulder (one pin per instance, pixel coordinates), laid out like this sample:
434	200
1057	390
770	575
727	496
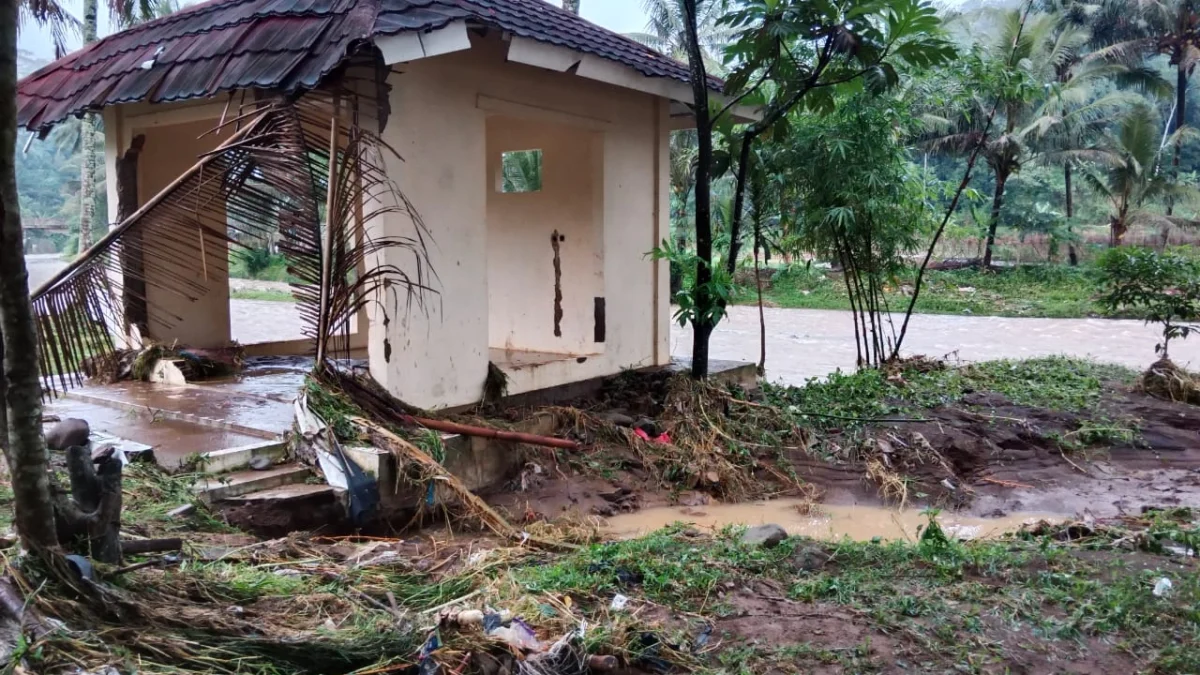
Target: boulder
68	433
809	559
766	536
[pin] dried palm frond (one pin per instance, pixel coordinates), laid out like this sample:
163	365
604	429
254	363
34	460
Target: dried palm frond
272	175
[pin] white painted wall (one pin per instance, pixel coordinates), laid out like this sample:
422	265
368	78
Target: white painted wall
439	123
521	279
170	151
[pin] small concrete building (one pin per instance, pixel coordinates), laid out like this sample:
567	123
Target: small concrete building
534	145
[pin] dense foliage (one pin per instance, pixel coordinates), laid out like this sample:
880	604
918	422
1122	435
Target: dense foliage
1163	287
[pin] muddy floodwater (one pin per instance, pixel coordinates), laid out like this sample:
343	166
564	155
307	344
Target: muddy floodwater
823	521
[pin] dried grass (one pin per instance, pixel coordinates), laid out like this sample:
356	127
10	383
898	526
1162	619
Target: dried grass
719	443
1168	381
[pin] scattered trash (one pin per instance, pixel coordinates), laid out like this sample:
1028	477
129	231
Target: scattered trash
182	511
619	603
518	635
662	439
82	567
1163	588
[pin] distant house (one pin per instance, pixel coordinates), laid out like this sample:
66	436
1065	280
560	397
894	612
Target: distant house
535	149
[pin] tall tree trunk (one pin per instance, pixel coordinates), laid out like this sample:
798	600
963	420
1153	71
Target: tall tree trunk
26	447
571	5
87	145
1072	254
705	304
1177	121
997	203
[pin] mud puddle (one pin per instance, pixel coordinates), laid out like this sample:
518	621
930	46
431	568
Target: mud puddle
824	521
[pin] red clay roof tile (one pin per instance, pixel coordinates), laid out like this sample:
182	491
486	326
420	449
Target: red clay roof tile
285	45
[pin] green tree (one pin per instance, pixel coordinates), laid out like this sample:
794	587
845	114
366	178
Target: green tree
25	449
666	30
789	53
1132	178
522	171
1163	287
20	385
855	198
1040	99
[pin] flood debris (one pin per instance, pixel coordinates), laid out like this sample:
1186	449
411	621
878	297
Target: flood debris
1168	381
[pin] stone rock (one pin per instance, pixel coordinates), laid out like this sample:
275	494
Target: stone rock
766	536
809	559
68	433
617	418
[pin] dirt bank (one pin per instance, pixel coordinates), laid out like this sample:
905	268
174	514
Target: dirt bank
978	453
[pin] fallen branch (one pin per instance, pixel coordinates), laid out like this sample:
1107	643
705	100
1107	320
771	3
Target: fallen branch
483	432
383	438
140	546
1005	483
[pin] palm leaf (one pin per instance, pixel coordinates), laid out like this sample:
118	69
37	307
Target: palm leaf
271	175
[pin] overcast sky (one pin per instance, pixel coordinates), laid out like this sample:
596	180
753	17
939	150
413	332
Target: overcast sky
623	16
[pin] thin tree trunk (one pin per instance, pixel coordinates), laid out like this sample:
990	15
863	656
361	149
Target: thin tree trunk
26	447
997	203
1072	254
705	304
762	317
87	145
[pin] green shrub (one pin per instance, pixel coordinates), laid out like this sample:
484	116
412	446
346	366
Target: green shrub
1161	287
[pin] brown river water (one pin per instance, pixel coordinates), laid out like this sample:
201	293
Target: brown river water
823	521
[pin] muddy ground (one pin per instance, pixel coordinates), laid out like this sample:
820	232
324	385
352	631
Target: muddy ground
981	455
1114	589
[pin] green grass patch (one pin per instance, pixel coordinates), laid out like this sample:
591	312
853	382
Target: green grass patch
1056	291
952	600
667	567
252	294
258	264
1057	383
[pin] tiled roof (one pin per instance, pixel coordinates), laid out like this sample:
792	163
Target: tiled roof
285	45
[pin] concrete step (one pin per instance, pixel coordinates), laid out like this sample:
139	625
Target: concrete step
284	493
232	459
229	485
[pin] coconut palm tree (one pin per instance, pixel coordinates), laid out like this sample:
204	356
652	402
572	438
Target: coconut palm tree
522	171
1132	178
1079	117
665	31
1045	93
20	386
126	14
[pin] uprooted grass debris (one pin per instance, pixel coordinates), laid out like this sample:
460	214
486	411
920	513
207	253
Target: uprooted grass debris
708	437
703	602
1166	380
